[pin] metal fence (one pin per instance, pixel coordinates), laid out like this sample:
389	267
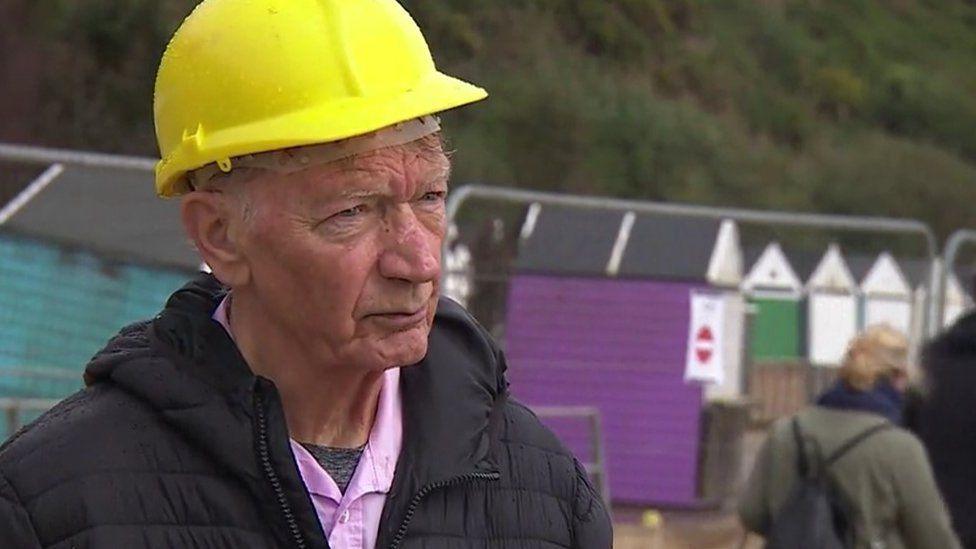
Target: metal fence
776	388
953	247
43	383
878	225
28	392
18	411
596	465
779	388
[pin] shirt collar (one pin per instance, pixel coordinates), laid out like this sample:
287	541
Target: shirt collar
378	464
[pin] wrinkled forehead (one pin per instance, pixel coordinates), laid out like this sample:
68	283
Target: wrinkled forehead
295	159
424	157
398	173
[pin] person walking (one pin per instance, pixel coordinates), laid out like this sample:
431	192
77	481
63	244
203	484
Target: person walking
945	420
881	477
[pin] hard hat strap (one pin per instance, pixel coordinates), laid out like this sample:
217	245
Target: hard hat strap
295	159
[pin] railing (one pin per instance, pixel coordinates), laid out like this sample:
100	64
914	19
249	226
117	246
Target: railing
14	408
953	246
596	466
45	387
879	225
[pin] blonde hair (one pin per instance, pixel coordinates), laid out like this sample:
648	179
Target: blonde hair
879	352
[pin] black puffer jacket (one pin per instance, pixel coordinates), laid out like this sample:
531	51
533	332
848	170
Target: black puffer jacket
175	443
945	420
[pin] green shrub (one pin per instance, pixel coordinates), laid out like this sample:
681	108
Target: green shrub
839	91
859	106
918	104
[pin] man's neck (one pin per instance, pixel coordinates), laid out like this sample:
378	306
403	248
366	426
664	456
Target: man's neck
324	403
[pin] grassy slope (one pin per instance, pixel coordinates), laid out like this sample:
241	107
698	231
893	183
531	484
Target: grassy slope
864	106
850	106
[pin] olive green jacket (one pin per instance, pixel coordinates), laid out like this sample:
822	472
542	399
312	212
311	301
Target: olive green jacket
887	480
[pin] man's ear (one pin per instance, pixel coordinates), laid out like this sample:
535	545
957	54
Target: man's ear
214	224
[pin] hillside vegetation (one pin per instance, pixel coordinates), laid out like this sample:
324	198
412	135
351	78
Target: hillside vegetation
845	106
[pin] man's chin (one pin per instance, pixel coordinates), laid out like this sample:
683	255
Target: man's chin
409	357
403	348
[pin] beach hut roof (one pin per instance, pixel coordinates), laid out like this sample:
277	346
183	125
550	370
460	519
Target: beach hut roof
577	241
886	278
832	273
772	271
110	212
568	241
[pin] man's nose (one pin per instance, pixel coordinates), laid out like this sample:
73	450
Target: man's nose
411	252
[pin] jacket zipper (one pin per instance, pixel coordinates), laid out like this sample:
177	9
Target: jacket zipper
426	490
269	472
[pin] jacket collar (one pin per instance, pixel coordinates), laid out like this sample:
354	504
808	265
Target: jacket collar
184	365
452	402
883	399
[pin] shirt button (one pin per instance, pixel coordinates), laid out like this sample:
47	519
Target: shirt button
344	517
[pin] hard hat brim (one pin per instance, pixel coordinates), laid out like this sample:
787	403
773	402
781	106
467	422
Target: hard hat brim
328	123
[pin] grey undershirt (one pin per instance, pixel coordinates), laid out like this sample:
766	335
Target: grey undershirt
340	463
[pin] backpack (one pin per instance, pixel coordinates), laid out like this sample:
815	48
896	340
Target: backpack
814	515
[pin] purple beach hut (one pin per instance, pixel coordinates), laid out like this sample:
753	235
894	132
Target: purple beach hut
598	315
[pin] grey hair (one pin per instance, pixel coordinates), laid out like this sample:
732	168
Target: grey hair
234	185
236	182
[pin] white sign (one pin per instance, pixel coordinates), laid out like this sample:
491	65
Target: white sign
457	274
706	335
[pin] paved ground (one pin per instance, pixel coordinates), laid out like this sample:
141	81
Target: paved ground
709	529
680	530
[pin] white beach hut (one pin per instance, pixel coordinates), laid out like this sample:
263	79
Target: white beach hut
832	309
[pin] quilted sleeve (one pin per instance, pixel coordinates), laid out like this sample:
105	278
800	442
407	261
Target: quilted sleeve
592	528
16	529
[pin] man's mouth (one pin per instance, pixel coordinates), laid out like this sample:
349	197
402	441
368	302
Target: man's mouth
400	319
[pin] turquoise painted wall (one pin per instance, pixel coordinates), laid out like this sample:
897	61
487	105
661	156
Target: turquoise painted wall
58	307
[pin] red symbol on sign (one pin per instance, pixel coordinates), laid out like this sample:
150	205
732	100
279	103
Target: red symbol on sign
704	344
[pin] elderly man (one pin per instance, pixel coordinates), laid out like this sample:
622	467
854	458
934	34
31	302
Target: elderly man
314	392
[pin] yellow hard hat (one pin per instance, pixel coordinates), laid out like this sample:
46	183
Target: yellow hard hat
242	77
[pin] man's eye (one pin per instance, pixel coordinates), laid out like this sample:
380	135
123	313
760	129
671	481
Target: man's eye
434	196
351	212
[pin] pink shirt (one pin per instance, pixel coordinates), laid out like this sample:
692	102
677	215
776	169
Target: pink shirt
352	520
